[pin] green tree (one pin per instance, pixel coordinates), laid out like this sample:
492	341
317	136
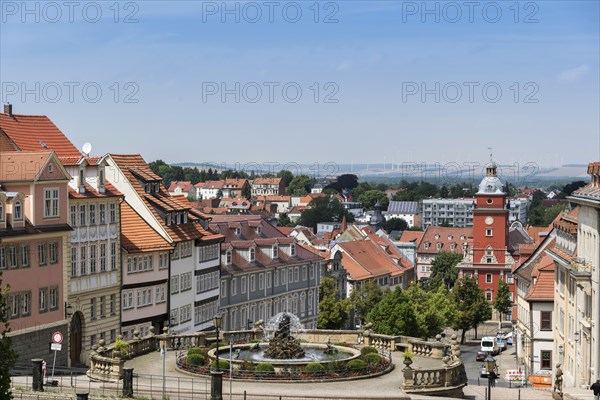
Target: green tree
247	192
284	220
8	356
323	209
394	315
396	224
299	186
333	312
286	176
370	197
552	212
502	302
364	298
443	270
471	307
360	189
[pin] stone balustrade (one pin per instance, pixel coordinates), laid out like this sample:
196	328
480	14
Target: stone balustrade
435	380
429	349
105	369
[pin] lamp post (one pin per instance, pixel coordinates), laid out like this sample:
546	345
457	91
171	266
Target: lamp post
490	366
216	376
163	352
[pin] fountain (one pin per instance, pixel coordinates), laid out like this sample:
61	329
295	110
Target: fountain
283	345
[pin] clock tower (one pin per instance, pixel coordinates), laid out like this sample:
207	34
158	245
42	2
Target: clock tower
488	259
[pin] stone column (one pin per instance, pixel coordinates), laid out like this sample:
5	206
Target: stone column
216	385
38	378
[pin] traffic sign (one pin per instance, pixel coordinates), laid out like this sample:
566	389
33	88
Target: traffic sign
57	337
56	346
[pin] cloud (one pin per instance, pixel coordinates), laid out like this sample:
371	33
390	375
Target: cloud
574	74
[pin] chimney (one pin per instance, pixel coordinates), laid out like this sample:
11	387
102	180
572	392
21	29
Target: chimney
8	109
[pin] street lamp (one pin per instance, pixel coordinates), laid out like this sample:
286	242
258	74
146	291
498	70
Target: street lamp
216	376
490	367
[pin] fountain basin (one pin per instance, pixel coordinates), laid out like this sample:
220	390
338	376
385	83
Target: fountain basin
314	352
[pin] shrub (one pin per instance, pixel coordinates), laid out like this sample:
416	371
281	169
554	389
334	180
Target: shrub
367	350
248	365
356	365
264	369
344	344
314	368
195	359
372	358
196	350
223	365
122	346
214	345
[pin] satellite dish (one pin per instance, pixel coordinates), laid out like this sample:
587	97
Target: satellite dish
87	148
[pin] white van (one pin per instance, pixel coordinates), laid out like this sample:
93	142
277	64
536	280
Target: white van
490	344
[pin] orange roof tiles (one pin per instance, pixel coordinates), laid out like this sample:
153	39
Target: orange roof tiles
137	235
444	236
37	132
542	287
266	181
91	193
365	259
412	236
184	185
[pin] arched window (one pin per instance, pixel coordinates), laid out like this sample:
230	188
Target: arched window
18	211
275	251
293	249
252	253
228	257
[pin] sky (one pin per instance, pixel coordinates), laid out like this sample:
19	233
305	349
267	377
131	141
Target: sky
311	81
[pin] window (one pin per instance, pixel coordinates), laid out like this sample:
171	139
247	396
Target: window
160	294
93	254
243	283
2	258
304	273
113	256
228	257
25	255
488	232
92	308
102	306
186	281
83	260
261	281
546	320
14	305
42	254
53	298
488	295
275	252
92	214
112	213
43	299
252	254
233	286
102	257
102	212
488	278
293	249
175	284
111	304
73	261
163	261
223	290
144	297
82	215
290	275
18	211
174	317
92	340
546	357
73	215
53	249
127	299
269	280
252	283
510	278
296	274
185	313
51	203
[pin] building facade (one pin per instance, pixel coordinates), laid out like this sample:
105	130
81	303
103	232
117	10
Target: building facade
267	187
450	212
407	210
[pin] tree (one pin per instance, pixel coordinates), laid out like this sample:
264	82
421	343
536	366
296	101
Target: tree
284	220
299	186
8	356
370	198
552	212
394	315
443	270
364	298
471	307
502	303
247	192
323	209
333	312
569	188
396	224
344	182
286	176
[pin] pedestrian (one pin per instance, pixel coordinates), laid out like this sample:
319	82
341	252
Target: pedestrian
493	376
596	388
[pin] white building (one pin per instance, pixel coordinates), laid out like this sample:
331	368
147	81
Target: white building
517	209
407	210
454	212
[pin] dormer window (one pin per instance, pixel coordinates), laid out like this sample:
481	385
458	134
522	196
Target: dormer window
238	231
259	230
50	167
293	249
81	181
185	217
252	254
427	245
450	237
168	219
156	187
101	175
178	218
228	257
439	246
275	252
452	246
18	211
437	236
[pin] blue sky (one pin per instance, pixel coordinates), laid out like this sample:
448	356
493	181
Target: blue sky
375	58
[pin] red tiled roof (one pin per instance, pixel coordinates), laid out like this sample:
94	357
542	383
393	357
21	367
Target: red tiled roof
440	234
412	236
542	287
91	193
210	184
32	132
365	259
266	181
137	235
184	185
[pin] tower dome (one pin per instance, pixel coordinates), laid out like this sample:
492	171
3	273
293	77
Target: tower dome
491	184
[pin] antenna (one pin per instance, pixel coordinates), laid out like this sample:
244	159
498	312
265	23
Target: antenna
490	149
86	148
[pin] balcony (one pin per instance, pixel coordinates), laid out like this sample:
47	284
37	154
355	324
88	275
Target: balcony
581	267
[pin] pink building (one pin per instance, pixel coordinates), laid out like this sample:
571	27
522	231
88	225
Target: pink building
34	234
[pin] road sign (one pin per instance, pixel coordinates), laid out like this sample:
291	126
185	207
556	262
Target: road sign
56	346
57	337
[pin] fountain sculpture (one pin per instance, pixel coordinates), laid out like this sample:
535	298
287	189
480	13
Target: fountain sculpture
283	345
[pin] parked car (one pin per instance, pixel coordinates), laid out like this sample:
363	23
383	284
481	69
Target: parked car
502	339
481	355
489	344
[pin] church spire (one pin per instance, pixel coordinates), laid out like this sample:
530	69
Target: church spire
490	170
